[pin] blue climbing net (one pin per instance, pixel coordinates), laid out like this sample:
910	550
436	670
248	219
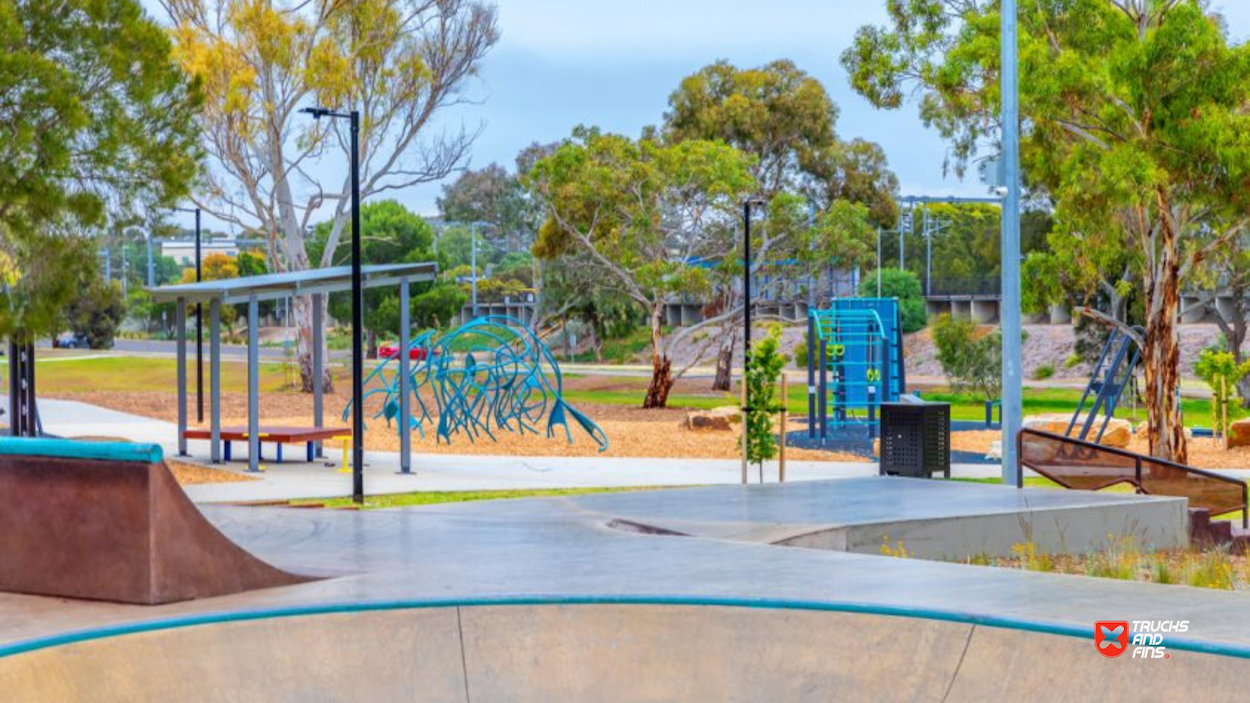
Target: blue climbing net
490	375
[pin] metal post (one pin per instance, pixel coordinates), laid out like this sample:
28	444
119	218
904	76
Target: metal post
823	400
878	261
253	384
811	377
151	268
358	357
199	331
745	435
15	375
1012	409
746	283
180	320
214	363
901	265
405	409
473	265
318	370
928	255
785	417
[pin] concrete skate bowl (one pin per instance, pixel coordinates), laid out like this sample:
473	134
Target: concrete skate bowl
546	650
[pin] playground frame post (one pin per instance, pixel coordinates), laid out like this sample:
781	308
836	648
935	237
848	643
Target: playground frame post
1012	409
405	381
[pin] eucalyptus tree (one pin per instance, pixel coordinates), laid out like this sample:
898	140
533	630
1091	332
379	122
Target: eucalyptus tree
786	120
400	63
644	214
1134	121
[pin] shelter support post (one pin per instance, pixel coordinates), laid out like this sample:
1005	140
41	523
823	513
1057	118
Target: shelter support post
253	384
180	322
214	364
405	408
318	368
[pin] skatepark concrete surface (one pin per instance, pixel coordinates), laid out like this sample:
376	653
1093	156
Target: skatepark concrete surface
594	598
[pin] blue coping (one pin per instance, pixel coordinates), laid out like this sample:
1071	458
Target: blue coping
72	449
1240	651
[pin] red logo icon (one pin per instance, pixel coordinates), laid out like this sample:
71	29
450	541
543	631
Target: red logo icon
1111	638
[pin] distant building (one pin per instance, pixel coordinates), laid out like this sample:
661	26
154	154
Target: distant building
183	250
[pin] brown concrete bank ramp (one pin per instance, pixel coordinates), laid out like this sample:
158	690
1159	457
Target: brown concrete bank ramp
603	652
107	521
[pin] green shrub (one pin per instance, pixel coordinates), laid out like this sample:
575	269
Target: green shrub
1072	361
800	353
972	360
98	312
764	366
1043	372
903	285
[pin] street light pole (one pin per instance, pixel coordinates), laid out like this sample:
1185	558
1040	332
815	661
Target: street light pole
358	355
1012	407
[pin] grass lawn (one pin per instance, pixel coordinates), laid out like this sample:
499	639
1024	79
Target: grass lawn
115	373
125	373
401	500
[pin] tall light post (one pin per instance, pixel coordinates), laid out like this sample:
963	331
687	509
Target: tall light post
748	208
1012	408
199	317
473	278
358	355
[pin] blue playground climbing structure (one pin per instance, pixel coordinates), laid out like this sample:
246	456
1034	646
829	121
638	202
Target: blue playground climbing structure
488	376
854	363
1112	373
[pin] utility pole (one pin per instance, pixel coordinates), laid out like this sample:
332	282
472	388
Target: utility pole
1012	408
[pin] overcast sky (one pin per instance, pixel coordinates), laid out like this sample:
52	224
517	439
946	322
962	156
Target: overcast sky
613	63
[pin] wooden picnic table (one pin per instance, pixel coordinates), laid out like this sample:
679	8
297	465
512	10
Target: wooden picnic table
278	435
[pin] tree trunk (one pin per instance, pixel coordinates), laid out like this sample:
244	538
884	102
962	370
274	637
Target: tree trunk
725	359
1162	352
661	365
372	346
302	310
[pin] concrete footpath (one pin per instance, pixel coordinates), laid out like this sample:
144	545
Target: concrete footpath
433	472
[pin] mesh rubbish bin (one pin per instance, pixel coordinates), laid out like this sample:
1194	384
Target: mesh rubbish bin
915	439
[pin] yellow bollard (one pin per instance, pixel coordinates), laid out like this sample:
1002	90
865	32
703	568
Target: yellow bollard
345	444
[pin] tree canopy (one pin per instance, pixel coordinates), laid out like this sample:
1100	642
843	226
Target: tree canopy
644	213
1134	122
98	123
400	63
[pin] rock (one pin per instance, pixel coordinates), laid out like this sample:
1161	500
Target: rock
1143	432
720	419
996	451
1119	431
1239	433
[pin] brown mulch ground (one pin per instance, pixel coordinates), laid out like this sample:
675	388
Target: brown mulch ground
184	473
631	431
192	474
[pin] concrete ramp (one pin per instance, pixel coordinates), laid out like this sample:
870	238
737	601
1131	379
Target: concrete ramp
604	652
107	521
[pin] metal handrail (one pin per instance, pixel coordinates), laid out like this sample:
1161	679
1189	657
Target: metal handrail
1137	463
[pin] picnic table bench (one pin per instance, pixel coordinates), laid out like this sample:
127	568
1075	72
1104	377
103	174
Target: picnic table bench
274	435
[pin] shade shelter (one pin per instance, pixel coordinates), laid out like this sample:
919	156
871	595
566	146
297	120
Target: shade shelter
315	284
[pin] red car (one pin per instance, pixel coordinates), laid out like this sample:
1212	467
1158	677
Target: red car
387	351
